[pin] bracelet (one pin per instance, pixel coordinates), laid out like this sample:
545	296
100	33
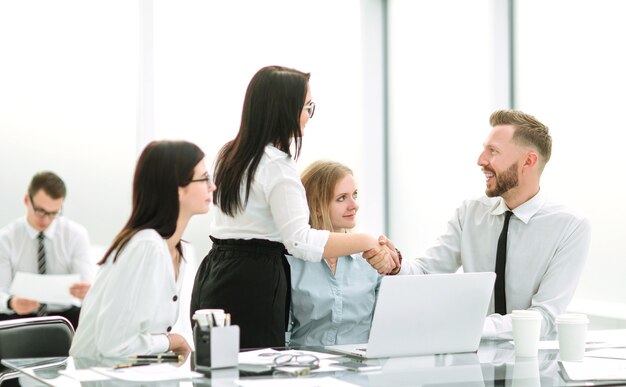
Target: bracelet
397	269
9	303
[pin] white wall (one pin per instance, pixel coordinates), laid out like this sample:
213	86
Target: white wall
68	103
572	76
442	92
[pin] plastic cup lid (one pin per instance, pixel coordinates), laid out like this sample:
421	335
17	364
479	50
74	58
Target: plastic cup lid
572	318
525	314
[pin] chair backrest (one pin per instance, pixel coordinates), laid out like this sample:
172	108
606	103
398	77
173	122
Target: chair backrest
48	336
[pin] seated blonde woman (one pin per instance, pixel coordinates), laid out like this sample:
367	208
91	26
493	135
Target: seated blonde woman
332	301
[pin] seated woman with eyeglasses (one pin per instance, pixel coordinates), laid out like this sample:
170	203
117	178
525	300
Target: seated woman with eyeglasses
135	298
332	301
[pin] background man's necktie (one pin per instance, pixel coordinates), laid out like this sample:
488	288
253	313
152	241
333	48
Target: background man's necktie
41	265
500	295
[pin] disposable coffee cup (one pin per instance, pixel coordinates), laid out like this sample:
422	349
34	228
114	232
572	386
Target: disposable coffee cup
572	332
526	332
210	317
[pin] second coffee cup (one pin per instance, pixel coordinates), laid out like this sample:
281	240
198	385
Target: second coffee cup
572	331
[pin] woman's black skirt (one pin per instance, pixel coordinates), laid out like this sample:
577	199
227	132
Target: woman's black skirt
250	280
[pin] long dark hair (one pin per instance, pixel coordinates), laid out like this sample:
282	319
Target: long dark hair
162	167
270	115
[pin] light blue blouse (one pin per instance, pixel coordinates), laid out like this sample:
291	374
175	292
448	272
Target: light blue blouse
329	309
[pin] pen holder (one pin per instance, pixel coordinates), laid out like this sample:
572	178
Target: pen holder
216	347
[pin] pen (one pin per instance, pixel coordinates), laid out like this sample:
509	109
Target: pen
227	319
128	365
159	357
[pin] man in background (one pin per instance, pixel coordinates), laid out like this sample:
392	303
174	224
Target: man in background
44	242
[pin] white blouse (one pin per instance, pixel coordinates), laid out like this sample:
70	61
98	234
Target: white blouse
277	210
133	302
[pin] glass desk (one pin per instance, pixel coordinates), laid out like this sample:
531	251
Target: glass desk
494	364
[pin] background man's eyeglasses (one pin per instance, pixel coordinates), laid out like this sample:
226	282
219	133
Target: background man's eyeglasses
40	212
310	107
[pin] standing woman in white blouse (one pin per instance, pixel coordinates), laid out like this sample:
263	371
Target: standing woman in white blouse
261	213
134	300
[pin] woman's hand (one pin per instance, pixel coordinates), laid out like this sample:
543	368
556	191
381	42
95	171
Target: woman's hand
179	345
380	259
385	258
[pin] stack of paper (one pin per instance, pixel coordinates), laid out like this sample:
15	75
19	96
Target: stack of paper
590	369
149	373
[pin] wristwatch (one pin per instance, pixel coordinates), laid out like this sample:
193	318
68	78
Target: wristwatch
397	269
9	303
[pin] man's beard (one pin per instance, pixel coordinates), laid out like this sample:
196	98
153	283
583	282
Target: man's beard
505	181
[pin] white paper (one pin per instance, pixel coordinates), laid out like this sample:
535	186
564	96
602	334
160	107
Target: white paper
266	356
319	355
263	360
258	357
287	382
609	353
45	288
148	373
554	344
595	369
84	375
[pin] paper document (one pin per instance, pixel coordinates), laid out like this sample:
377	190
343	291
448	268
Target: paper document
149	373
595	369
84	375
261	360
266	356
590	344
45	288
608	353
295	382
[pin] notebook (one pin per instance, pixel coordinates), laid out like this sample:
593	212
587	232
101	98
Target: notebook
426	315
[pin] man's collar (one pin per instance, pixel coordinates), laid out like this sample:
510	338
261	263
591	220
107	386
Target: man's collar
48	232
523	212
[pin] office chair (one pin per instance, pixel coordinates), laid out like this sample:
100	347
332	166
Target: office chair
48	336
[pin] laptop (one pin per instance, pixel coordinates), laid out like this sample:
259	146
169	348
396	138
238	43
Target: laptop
426	315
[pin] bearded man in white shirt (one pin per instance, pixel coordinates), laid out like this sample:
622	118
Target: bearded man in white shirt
547	242
43	242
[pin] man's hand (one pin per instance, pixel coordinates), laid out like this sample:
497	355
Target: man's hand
384	259
392	249
23	305
80	289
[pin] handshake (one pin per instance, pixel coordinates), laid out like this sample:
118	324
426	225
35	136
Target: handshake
385	258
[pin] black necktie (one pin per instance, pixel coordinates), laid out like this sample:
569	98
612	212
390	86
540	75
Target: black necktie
500	296
41	266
